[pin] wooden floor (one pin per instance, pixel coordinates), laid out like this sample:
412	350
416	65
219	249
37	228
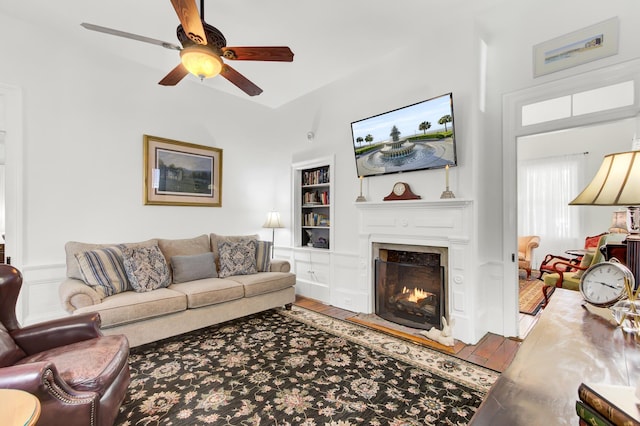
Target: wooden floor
492	351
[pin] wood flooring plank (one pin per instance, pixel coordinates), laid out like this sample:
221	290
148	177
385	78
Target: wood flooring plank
488	346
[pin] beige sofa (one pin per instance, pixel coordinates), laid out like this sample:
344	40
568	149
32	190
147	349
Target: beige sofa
205	285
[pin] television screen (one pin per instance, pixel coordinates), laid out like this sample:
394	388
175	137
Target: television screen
416	137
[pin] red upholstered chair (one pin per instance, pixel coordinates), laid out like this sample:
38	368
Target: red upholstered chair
79	375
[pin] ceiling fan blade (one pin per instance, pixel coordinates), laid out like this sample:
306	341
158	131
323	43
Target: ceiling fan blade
266	53
240	81
174	77
124	34
190	19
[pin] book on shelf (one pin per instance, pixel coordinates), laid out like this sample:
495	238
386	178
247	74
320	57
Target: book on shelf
315	198
618	404
315	177
590	415
315	219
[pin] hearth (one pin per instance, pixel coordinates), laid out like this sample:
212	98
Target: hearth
410	287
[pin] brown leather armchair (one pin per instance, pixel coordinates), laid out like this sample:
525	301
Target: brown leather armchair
79	375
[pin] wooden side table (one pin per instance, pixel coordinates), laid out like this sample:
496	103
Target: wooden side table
18	407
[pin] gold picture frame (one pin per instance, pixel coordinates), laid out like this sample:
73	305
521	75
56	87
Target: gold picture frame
181	173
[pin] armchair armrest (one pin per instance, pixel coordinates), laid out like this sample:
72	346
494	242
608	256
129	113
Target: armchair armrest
562	267
280	266
59	332
42	380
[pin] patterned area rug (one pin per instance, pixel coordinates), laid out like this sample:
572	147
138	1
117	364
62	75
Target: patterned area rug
530	296
298	368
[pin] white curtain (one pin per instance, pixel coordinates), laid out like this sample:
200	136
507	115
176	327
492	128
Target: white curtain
545	188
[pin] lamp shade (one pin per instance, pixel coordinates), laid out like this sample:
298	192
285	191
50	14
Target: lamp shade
619	222
273	220
617	182
201	61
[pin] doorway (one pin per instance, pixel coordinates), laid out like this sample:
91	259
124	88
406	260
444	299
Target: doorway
12	144
553	167
568	93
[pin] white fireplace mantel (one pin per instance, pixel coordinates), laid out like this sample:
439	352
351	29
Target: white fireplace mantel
438	223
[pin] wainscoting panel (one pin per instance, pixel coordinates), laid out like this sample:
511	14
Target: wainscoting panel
39	300
346	291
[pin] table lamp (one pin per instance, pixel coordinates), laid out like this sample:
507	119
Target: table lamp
273	221
619	222
617	183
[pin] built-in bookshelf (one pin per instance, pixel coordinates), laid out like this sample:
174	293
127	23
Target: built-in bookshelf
316	207
312	204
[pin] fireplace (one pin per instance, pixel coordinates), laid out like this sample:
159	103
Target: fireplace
445	227
409	285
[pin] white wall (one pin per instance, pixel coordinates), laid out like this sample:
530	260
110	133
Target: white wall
84	118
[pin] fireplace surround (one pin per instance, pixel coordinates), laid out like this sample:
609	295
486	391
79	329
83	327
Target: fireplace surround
443	225
410	284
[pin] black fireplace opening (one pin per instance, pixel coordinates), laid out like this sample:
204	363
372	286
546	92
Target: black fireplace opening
409	288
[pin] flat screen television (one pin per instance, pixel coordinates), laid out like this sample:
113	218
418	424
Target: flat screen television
415	137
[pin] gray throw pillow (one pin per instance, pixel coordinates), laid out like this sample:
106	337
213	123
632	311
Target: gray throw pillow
193	267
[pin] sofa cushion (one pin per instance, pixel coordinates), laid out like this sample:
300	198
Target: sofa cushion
146	268
127	307
103	270
264	282
193	267
238	258
209	291
73	247
184	247
263	256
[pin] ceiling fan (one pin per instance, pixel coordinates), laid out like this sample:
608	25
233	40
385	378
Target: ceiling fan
203	47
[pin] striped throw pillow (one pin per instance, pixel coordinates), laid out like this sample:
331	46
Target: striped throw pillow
103	270
263	256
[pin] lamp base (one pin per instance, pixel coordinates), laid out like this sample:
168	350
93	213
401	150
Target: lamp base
633	256
360	199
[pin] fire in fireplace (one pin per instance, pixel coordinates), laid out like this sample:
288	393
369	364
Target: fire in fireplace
409	288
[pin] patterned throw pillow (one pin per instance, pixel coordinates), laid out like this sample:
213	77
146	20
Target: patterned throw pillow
103	270
237	258
146	268
263	256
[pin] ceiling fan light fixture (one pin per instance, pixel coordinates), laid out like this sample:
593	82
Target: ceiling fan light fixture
201	61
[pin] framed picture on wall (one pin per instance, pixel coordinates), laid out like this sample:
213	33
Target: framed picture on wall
578	47
181	174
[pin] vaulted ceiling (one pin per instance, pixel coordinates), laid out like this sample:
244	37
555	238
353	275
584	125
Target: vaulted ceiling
331	39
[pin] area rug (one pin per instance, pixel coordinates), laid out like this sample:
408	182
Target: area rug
298	368
530	296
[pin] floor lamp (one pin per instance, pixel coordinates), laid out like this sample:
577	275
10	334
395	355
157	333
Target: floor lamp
273	221
617	183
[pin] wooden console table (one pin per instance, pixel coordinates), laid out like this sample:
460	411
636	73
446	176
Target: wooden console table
567	346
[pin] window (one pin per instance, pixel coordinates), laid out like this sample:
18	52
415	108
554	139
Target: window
545	188
590	101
